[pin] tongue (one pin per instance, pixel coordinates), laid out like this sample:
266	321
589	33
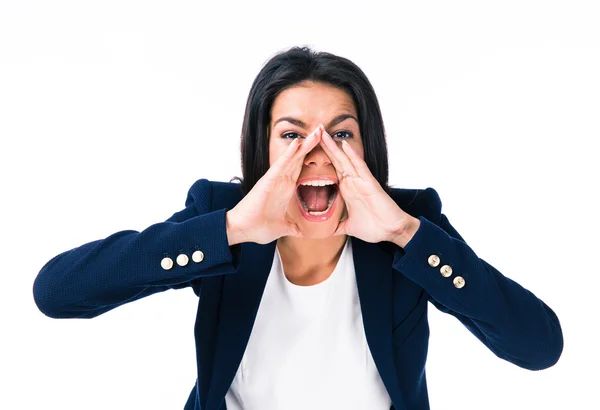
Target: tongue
316	197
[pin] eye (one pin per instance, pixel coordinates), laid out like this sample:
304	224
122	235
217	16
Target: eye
348	133
284	136
335	135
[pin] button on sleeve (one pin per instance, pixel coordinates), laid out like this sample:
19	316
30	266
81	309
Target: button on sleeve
433	260
446	271
166	263
182	259
197	256
459	282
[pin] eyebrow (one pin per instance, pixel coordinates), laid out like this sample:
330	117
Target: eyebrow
301	124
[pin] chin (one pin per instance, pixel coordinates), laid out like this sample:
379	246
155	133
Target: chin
323	231
319	230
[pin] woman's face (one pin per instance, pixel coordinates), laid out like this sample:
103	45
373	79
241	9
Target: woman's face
305	106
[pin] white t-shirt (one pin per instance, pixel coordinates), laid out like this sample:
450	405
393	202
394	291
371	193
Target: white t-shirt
307	348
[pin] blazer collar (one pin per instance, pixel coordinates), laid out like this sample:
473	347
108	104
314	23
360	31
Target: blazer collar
242	293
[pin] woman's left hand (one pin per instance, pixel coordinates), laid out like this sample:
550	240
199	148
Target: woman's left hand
372	215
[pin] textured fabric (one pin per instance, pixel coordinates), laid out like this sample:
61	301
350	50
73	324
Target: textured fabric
394	287
308	349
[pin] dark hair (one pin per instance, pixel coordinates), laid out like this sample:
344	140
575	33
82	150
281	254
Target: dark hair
289	68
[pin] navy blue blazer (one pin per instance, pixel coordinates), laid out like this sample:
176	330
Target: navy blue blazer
394	286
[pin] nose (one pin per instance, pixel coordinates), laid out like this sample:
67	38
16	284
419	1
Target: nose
317	157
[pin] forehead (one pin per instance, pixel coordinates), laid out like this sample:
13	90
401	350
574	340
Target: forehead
312	100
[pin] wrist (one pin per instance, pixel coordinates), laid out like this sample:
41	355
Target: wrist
407	230
234	234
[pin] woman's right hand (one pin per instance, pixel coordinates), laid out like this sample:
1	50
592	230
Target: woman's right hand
261	216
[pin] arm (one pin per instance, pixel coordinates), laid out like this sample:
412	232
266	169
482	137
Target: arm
96	277
510	320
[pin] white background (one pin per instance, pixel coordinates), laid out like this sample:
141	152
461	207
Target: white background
109	111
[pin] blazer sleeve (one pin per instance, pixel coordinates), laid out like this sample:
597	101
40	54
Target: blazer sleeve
98	276
509	319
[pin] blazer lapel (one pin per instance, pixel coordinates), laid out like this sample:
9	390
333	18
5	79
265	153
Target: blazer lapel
242	293
373	267
240	299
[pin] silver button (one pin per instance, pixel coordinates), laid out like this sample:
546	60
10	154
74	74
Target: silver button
166	263
433	260
446	271
459	282
197	256
182	259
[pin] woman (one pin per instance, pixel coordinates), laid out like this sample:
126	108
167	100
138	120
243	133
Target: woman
313	275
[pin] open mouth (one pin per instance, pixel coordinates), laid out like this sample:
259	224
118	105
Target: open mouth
317	200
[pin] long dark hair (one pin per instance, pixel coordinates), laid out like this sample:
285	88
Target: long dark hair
289	68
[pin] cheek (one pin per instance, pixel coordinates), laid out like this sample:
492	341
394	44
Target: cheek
341	205
275	151
359	150
272	155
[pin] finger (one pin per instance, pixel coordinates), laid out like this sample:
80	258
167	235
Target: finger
284	164
336	164
281	163
308	143
359	164
341	157
295	167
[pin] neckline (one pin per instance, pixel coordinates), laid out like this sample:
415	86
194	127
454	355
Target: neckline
319	285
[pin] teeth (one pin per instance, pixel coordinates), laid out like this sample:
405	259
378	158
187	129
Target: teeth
320	182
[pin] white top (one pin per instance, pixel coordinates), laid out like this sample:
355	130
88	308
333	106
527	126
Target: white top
307	348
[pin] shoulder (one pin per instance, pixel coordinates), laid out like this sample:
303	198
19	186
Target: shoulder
207	196
417	202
